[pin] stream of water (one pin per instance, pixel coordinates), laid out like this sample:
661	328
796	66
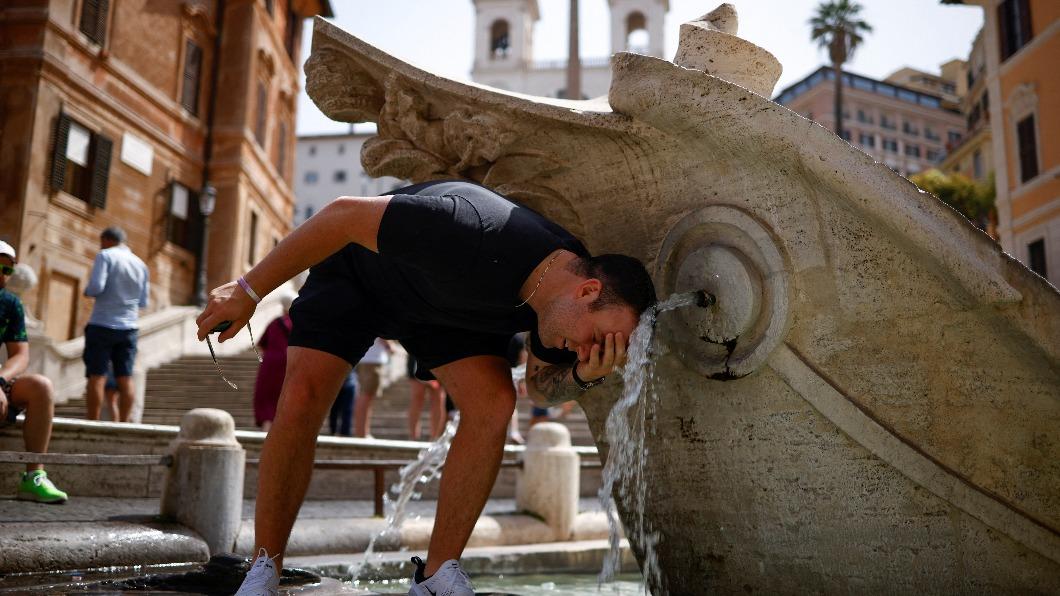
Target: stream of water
628	425
414	476
631	421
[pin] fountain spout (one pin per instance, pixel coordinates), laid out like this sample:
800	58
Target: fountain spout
705	299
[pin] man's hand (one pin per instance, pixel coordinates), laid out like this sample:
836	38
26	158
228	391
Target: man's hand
602	360
3	405
552	384
227	303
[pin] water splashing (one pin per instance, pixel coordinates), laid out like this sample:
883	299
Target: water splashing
413	477
631	420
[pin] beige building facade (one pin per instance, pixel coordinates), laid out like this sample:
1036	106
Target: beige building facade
973	156
907	129
109	115
1022	45
329	166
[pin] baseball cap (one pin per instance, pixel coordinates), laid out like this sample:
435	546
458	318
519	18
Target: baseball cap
7	249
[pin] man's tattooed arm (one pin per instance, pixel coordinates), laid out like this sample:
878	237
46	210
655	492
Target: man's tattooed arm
551	384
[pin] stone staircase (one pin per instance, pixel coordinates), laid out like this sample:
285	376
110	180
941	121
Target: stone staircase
193	382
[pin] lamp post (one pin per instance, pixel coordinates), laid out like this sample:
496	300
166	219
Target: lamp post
207	200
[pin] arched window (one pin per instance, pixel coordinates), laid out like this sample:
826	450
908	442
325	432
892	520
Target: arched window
637	38
499	39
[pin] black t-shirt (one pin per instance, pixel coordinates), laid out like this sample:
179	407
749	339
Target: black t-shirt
455	254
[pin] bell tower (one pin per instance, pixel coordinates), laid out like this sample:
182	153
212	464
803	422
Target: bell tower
504	34
637	26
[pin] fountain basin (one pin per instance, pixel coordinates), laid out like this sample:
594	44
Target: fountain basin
876	403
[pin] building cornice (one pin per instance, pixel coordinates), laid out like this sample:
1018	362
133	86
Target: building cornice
126	76
826	69
59	73
1040	180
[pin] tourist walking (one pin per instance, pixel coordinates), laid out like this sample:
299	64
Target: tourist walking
340	418
110	396
20	392
451	270
370	379
517	358
273	349
120	284
428	390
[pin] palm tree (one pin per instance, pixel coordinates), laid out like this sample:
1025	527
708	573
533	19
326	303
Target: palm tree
836	26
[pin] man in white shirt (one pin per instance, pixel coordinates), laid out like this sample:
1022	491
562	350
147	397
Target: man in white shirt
369	377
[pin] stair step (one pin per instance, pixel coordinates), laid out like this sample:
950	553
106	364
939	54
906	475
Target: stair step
193	382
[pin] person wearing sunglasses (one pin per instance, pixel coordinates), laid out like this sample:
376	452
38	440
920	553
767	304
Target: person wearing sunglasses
452	270
19	392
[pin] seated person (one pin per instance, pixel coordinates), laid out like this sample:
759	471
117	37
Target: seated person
19	393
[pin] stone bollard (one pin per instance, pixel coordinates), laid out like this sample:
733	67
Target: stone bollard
549	482
204	486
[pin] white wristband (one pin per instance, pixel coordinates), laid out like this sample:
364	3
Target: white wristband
249	290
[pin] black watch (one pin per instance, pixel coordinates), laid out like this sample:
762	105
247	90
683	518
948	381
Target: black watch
5	385
583	385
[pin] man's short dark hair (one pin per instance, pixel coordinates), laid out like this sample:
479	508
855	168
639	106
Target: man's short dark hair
625	281
113	233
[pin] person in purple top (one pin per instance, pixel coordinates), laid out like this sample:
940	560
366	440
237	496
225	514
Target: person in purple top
120	284
273	344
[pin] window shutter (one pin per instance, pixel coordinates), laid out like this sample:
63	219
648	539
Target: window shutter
101	22
100	171
259	127
195	218
281	150
1003	26
1028	148
62	134
1025	32
94	19
192	75
293	32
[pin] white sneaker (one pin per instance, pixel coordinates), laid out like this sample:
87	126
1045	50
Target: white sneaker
449	580
262	579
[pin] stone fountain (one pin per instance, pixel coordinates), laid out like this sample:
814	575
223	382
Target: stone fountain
873	403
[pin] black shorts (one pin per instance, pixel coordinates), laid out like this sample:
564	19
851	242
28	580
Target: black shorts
335	314
12	411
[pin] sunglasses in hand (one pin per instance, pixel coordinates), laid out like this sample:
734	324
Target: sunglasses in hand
218	329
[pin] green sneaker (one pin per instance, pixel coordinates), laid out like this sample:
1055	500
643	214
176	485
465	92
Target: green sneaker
35	486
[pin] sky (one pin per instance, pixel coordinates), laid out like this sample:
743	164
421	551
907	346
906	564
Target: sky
437	35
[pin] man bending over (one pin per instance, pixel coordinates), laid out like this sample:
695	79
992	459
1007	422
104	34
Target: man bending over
452	270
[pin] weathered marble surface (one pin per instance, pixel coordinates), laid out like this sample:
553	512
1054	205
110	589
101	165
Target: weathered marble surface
873	406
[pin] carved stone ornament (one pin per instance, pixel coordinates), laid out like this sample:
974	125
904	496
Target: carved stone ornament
197	14
872	403
1023	100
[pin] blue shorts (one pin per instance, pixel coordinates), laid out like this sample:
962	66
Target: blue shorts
106	347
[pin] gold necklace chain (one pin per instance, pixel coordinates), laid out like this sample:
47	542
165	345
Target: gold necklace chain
539	280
